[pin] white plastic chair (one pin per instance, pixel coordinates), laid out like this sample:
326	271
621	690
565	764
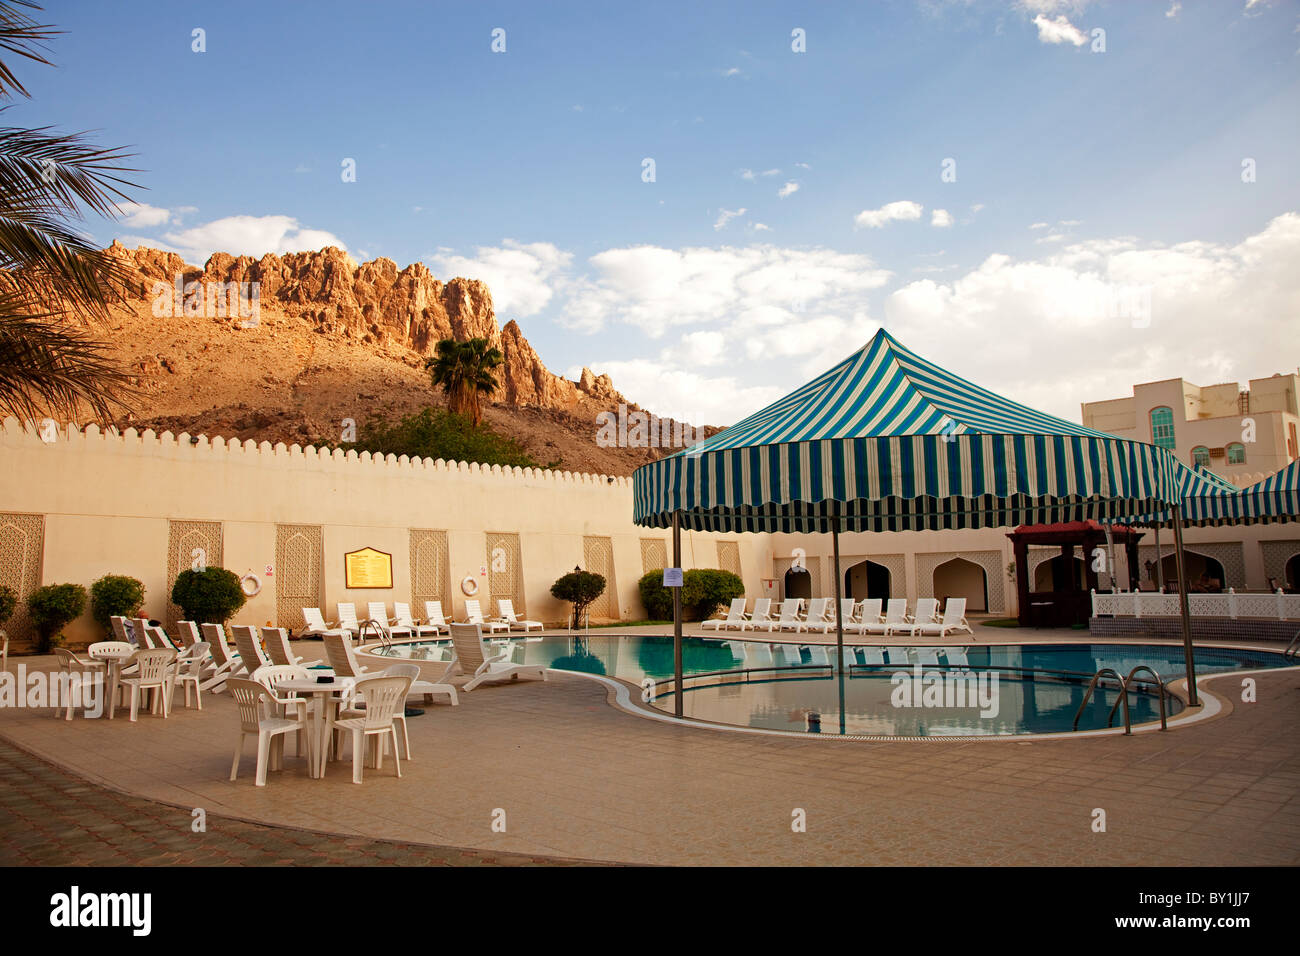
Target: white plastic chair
383	696
404	621
348	618
378	611
954	620
71	664
735	618
316	626
250	648
433	617
789	617
895	617
761	615
474	661
815	619
189	670
276	642
474	615
869	612
248	696
507	616
155	674
927	611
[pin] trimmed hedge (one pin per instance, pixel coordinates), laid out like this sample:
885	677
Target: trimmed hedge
52	608
704	590
115	595
210	596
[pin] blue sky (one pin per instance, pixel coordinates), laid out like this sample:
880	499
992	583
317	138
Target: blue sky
1098	232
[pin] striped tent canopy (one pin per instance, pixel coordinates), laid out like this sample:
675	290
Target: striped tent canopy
1206	499
1275	499
890	442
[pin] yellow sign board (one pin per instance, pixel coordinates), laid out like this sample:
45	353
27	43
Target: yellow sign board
367	568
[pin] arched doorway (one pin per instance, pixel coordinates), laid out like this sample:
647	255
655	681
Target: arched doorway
1203	572
798	583
867	579
962	579
1291	574
1054	575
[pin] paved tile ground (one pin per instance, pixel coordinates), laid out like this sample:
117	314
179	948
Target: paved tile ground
577	778
49	817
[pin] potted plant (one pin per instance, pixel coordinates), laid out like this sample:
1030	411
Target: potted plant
579	588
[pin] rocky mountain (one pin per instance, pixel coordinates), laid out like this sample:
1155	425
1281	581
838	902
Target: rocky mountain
331	341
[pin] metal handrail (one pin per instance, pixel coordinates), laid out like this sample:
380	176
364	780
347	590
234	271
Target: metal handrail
1092	685
1293	649
1128	731
384	637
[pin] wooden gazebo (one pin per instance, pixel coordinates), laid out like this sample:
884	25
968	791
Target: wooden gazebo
1067	603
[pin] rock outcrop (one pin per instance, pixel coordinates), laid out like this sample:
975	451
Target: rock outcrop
374	303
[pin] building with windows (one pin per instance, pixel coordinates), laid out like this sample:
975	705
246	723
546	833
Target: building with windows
1241	434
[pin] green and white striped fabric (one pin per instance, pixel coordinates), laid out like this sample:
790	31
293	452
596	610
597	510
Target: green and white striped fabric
890	442
1206	499
1275	499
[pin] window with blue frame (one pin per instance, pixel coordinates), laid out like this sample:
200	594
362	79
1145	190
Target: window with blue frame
1162	426
1236	453
1201	456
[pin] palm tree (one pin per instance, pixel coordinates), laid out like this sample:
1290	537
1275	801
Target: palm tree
464	370
49	271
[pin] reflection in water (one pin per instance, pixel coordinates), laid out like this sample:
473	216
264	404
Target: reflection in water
812	701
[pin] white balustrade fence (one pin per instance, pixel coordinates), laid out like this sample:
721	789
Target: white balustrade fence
1275	606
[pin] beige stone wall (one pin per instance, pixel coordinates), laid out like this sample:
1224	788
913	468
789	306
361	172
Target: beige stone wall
109	500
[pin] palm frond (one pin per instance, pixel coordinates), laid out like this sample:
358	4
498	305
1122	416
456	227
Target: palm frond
23	36
50	368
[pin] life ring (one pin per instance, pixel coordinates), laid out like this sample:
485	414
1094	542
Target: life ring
255	589
469	586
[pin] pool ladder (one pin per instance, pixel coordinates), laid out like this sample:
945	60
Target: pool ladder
1123	695
384	637
1293	649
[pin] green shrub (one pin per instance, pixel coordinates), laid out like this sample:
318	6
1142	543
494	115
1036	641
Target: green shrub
52	608
210	596
658	600
8	602
437	433
580	588
115	595
704	590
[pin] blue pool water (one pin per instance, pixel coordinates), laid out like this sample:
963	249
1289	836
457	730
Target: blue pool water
997	690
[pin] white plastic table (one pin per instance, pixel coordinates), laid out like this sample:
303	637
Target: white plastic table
324	700
114	659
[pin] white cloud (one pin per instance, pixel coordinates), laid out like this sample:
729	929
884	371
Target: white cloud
1038	225
760	227
1070	222
902	211
753	176
976	208
1059	30
789	189
142	215
803	165
654	288
674	389
726	215
1051	237
1174	9
1061	330
245	236
940	218
731	71
521	276
708	348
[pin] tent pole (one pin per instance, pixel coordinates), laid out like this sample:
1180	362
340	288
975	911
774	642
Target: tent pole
839	591
839	612
1192	700
1160	564
679	691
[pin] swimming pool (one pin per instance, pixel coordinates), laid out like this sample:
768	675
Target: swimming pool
997	690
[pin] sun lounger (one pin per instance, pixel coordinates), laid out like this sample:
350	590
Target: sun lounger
508	617
475	661
735	618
